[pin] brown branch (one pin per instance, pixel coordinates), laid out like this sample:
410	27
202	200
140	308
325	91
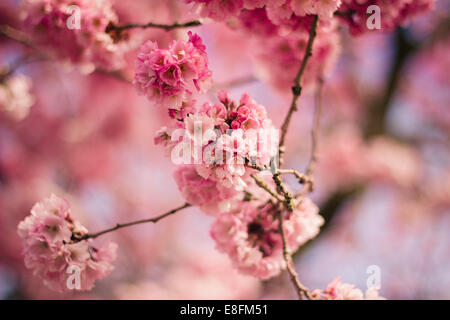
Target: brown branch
263	185
129	224
281	188
300	288
167	27
315	130
15	35
297	88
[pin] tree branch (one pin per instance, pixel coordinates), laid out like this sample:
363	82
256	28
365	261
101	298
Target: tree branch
129	224
300	288
167	27
297	88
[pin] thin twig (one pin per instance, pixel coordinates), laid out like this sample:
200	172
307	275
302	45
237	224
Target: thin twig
297	88
263	185
315	130
15	35
124	225
166	27
282	189
300	288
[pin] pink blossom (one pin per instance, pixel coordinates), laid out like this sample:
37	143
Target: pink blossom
221	10
323	8
393	13
231	135
88	46
50	249
210	196
278	60
336	290
249	235
15	97
169	77
393	162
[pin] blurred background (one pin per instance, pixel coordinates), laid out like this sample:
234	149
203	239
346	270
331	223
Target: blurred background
89	139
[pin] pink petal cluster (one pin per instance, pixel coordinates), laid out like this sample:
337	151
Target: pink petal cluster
393	13
393	162
251	238
336	290
210	196
277	61
221	10
88	46
169	77
232	134
50	249
15	97
281	11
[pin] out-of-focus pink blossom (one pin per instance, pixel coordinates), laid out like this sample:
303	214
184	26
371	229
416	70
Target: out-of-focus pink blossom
169	77
250	235
50	249
393	162
277	61
87	45
337	290
393	13
15	97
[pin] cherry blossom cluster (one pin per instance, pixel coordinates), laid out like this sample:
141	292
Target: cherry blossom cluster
250	235
392	13
222	141
50	247
278	60
170	77
381	159
278	10
87	45
15	97
337	290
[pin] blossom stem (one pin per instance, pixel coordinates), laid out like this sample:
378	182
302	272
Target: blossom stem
302	291
166	27
266	187
297	88
129	224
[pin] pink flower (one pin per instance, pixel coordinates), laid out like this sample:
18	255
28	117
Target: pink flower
50	248
15	97
232	135
278	60
86	45
249	235
336	290
210	196
323	8
169	77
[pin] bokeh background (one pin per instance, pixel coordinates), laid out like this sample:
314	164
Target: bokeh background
89	139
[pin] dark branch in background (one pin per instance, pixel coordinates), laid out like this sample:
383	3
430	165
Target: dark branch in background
329	209
378	111
129	224
297	88
376	118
